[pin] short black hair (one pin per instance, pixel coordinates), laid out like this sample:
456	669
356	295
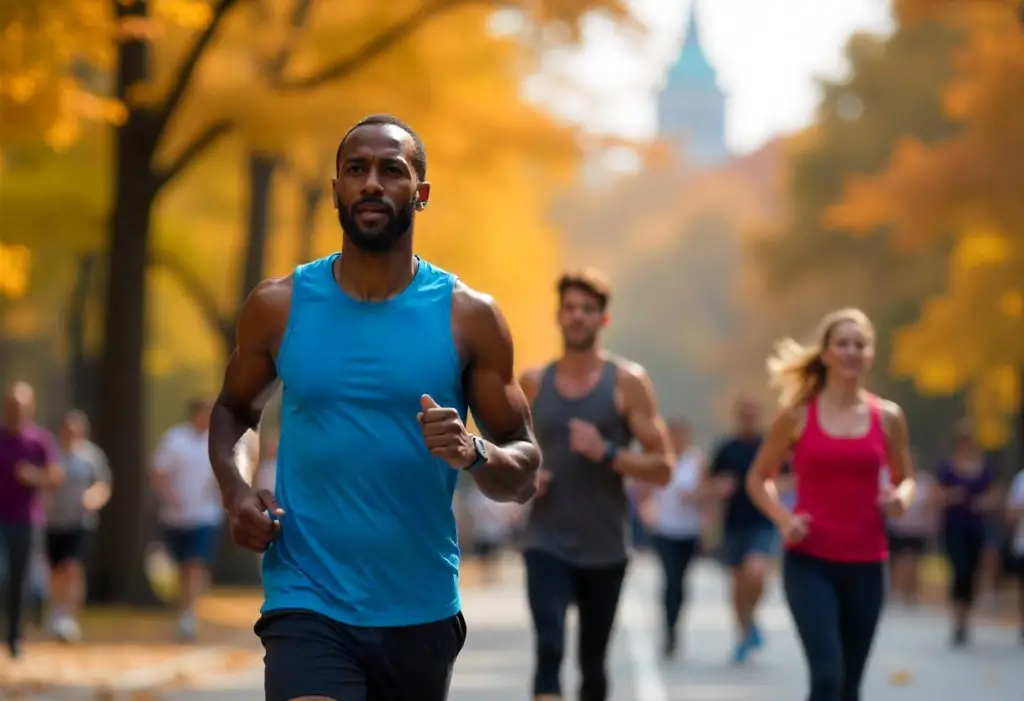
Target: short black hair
419	155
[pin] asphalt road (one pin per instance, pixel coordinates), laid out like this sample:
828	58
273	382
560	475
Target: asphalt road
912	659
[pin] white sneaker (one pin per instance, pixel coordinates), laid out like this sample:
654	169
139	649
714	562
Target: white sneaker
66	629
187	627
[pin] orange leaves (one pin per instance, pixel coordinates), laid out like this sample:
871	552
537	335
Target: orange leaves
15	262
913	194
40	44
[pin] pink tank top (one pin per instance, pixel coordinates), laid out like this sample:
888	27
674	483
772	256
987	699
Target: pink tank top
838	486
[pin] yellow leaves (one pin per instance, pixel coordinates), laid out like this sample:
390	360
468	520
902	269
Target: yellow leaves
981	247
15	262
974	335
191	14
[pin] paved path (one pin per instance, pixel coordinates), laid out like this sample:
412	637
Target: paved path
912	660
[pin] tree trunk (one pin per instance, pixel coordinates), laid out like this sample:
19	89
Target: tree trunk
81	391
126	523
235	566
311	196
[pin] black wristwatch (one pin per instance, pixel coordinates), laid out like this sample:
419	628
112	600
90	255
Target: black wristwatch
480	447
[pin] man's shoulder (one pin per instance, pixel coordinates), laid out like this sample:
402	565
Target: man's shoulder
38	436
477	311
631	377
273	291
175	433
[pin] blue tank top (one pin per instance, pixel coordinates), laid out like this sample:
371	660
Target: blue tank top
368	537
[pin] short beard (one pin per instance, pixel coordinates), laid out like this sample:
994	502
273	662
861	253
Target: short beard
398	225
580	346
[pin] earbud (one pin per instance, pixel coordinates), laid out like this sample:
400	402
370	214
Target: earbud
420	206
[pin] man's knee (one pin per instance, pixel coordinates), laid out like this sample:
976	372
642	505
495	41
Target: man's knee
755	568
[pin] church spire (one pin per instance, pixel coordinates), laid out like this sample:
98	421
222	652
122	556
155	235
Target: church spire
691	107
692	65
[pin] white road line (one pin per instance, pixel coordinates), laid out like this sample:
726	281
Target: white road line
648	682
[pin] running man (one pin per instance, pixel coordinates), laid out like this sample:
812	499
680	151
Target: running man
749	540
379	353
71	517
190	509
28	466
588	407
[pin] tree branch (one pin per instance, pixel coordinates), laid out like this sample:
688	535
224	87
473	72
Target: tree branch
188	65
194	286
371	49
300	13
206	138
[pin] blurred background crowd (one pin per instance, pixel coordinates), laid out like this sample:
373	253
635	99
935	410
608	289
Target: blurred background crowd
736	168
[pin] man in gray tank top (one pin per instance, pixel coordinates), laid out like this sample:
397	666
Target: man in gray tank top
587	408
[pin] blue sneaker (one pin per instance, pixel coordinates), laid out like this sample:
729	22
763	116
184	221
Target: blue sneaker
741	652
755	640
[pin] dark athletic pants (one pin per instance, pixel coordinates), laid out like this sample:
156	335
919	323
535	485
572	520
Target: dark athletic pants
17	546
310	655
836	607
963	550
552	585
675	555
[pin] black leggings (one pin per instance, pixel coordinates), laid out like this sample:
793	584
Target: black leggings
552	585
963	550
17	545
675	555
836	607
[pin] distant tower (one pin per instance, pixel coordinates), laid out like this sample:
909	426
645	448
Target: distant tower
691	107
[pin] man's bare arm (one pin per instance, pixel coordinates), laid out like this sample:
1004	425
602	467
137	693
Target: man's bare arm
499	405
654	464
250	373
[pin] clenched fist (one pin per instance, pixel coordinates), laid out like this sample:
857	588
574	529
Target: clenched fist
445	434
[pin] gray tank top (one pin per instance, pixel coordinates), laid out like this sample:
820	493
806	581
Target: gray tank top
582	518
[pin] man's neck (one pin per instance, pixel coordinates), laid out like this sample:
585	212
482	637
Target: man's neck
374	277
582	362
15	429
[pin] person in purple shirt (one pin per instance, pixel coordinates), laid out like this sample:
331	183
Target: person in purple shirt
28	466
966	483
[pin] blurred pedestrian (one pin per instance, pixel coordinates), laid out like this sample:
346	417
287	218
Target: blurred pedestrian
29	465
750	542
841	437
71	516
1015	519
491	525
588	406
966	483
380	354
190	507
673	516
910	536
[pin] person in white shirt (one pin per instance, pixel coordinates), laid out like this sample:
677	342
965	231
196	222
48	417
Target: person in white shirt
672	515
490	527
1015	511
910	536
190	507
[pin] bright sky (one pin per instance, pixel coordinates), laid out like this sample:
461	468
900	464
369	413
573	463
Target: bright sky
768	53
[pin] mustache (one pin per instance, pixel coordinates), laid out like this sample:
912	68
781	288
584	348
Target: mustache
373	201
